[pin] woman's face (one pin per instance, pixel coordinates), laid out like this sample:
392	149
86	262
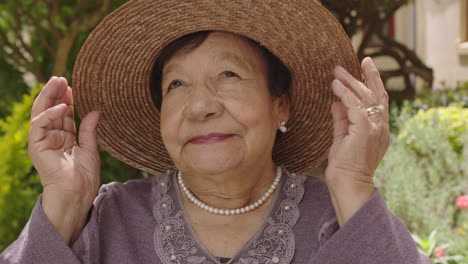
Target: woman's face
217	113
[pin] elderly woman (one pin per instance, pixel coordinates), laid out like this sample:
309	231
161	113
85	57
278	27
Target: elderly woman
227	103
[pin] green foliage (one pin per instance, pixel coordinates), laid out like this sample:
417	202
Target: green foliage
452	120
47	24
425	170
28	44
19	186
459	246
12	88
18	18
443	95
429	247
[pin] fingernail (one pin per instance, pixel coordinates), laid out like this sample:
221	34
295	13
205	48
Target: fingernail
341	69
337	84
60	105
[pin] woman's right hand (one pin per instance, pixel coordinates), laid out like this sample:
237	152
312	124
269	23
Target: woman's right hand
69	170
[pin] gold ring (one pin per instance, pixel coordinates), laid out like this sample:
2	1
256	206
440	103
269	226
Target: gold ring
375	109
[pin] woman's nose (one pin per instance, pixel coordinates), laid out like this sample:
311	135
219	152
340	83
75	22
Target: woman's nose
202	103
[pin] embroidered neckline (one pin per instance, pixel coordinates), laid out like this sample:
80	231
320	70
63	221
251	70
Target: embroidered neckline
192	232
274	242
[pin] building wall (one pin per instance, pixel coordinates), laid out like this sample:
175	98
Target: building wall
440	39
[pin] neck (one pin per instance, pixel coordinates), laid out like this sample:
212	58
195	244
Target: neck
231	189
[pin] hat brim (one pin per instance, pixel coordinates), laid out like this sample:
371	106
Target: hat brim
113	68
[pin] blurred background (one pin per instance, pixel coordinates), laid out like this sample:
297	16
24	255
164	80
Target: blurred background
420	47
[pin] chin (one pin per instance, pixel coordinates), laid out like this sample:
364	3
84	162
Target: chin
212	162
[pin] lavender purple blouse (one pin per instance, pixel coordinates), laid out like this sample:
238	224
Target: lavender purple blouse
143	221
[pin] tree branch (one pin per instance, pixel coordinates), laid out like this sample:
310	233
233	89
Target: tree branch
76	10
22	60
52	5
18	32
91	21
76	27
16	62
38	29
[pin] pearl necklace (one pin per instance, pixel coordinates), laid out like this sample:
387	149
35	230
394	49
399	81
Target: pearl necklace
237	211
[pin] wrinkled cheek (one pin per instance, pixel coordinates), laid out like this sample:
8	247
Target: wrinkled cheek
169	132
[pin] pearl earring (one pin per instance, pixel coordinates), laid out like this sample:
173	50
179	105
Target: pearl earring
283	127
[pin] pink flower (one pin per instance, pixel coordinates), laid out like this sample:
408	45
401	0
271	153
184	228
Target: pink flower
440	252
462	201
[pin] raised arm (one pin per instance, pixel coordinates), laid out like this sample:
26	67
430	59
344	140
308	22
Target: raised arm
69	173
369	232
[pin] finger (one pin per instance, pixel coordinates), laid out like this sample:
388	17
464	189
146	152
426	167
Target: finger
340	119
355	109
373	79
41	124
88	131
68	121
358	88
55	89
67	98
375	83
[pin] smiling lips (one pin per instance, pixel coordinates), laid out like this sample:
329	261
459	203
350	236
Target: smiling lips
209	138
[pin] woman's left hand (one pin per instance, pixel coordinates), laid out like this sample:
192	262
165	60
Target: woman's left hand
360	140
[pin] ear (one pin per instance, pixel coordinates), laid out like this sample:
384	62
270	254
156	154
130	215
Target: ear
282	108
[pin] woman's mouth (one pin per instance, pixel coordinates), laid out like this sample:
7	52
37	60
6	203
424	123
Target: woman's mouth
209	138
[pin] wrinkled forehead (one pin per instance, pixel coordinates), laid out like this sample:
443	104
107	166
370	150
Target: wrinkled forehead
215	48
215	58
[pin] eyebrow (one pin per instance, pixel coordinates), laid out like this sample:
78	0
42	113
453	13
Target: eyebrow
170	68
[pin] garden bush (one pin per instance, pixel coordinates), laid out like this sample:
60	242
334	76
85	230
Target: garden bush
440	96
443	95
19	185
425	170
452	120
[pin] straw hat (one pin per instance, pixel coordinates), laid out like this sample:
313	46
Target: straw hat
113	68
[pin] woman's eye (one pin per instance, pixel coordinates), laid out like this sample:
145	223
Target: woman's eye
229	74
175	84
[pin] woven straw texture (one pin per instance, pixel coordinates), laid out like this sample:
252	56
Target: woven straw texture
112	71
